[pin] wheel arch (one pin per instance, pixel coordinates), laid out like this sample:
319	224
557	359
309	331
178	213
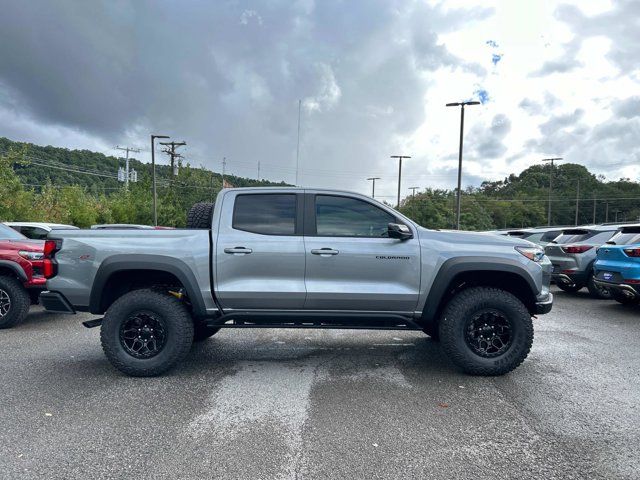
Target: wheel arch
12	268
456	274
119	273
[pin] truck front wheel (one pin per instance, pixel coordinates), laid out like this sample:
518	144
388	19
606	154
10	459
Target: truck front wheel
486	331
14	302
145	333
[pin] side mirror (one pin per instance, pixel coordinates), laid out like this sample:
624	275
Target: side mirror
399	231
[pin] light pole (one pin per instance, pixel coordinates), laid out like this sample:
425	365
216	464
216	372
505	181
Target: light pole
153	176
373	186
461	105
550	184
399	157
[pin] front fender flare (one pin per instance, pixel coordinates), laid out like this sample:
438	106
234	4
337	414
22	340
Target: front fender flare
455	266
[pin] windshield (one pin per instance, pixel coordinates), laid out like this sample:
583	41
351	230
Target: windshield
8	233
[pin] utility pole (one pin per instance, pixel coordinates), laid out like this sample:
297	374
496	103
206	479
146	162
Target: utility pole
373	186
171	151
126	168
458	198
399	157
594	209
298	144
224	164
153	175
577	202
413	190
606	212
550	184
258	169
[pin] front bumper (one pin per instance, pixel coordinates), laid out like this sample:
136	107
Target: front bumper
544	304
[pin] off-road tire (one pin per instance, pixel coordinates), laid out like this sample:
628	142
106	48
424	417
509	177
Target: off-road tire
569	288
200	215
623	299
177	321
454	321
202	332
20	302
596	292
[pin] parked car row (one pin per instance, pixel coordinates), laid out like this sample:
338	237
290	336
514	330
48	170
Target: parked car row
603	258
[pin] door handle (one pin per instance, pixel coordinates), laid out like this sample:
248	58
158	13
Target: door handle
324	251
238	250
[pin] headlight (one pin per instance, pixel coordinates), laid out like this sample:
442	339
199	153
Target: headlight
532	253
31	255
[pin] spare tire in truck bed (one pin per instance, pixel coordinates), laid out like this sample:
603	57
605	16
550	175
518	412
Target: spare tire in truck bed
200	215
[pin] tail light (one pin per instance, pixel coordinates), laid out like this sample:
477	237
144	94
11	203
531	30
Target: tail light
576	248
49	265
632	252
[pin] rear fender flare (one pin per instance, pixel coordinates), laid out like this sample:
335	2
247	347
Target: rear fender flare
160	263
15	268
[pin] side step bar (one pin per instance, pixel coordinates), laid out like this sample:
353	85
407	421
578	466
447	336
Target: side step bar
356	321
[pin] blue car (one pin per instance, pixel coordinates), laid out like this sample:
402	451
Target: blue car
617	266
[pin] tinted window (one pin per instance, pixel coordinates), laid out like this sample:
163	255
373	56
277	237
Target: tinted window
573	236
8	233
550	235
348	217
626	237
34	232
269	214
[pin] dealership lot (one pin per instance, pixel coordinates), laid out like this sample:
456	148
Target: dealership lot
326	404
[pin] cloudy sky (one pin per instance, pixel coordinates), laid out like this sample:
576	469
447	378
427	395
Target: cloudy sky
557	78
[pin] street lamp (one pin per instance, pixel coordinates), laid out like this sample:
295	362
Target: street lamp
373	187
153	176
550	184
461	105
399	157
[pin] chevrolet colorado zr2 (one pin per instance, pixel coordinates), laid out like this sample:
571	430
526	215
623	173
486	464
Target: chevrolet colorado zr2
299	258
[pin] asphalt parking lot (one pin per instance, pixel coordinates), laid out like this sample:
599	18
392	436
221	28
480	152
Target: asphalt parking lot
325	404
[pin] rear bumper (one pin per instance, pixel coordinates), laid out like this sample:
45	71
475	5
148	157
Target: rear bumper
55	302
625	289
544	305
573	278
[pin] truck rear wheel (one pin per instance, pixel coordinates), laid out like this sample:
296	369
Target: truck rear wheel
486	331
145	333
200	215
14	302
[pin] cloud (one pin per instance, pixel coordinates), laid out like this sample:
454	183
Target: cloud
620	24
627	108
491	144
228	78
567	62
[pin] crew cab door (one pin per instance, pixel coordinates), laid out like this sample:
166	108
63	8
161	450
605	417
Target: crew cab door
352	264
260	259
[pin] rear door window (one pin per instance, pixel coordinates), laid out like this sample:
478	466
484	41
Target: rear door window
267	214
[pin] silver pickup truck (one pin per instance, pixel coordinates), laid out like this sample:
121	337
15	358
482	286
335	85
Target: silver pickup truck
299	258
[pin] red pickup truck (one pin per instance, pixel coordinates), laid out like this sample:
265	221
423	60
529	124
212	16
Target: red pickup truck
22	275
